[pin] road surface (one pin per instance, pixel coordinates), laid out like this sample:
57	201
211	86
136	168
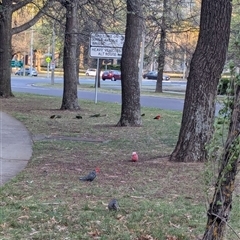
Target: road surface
30	85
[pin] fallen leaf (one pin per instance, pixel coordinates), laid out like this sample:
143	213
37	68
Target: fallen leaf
174	225
172	237
23	217
120	217
94	233
146	237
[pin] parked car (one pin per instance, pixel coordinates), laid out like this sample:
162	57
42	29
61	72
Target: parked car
27	72
91	72
113	75
154	74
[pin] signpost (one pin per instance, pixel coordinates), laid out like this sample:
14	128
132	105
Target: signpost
48	59
106	52
105	46
16	63
52	65
107	40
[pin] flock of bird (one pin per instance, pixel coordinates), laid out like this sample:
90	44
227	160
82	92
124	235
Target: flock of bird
98	115
113	204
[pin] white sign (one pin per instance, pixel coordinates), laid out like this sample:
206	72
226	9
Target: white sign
107	40
52	65
105	52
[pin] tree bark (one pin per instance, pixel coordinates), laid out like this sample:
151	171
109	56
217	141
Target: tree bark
5	48
78	61
162	44
205	71
70	98
131	108
221	205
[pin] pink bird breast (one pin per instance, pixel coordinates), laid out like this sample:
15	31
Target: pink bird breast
134	157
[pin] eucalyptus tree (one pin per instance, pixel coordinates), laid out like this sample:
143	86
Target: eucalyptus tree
93	13
7	8
131	107
70	98
205	71
222	165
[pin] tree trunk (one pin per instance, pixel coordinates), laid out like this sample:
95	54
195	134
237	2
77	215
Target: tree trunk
161	55
220	207
70	98
5	48
205	71
131	108
78	62
6	31
161	61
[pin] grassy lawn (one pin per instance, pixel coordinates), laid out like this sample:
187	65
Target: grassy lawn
158	199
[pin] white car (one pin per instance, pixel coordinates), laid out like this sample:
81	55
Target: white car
27	72
91	72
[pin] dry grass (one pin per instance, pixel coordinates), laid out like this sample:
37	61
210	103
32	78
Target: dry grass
158	199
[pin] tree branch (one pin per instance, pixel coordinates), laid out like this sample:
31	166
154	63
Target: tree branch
30	23
19	5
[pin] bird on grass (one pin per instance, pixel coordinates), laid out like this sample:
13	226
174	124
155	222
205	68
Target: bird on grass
95	115
79	117
134	156
157	117
91	176
55	116
113	205
143	114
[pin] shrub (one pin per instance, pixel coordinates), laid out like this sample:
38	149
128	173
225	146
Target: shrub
223	85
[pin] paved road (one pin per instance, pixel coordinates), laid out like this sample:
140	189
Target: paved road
90	80
27	85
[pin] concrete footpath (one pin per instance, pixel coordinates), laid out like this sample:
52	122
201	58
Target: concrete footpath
15	147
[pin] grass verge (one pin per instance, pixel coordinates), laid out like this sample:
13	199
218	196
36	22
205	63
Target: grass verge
158	199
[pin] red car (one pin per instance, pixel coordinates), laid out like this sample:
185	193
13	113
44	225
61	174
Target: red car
113	75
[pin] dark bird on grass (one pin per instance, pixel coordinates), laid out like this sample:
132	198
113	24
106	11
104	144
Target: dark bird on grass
55	116
143	115
95	115
157	117
113	205
79	117
91	176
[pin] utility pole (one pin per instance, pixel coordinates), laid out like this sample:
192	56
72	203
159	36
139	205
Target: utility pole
48	62
31	53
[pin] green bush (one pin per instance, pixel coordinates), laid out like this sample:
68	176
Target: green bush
113	67
223	85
